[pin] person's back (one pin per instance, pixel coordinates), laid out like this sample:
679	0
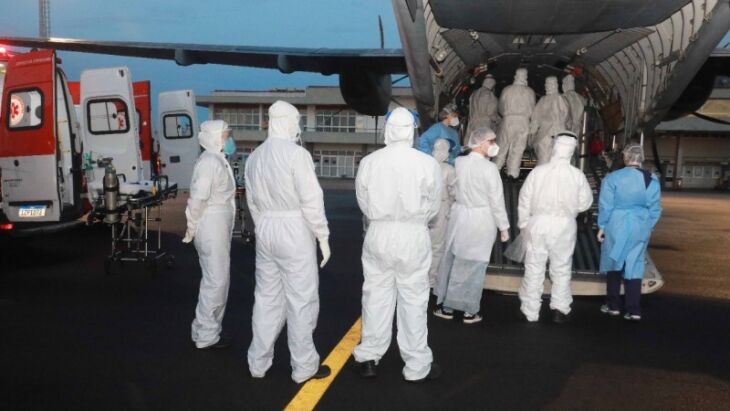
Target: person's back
550	199
399	190
472	171
516	105
629	207
395	180
551	115
287	206
271	166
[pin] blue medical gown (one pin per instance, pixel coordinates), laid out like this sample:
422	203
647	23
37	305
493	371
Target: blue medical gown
628	210
435	132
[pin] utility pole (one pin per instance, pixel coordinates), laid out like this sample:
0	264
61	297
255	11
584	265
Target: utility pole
44	18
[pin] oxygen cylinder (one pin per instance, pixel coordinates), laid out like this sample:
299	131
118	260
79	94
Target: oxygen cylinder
111	194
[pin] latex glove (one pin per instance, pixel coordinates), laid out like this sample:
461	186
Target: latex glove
600	236
324	247
188	236
504	236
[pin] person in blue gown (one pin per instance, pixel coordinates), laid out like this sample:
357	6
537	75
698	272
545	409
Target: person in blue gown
629	208
444	129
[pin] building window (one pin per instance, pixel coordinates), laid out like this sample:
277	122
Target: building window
336	163
334	120
243	118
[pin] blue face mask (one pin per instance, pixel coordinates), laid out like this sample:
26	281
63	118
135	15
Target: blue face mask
229	148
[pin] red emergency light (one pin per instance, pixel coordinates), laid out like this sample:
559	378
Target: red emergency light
6	226
3	50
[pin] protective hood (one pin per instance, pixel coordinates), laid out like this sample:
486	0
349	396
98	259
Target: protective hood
211	135
399	127
568	83
284	121
563	148
489	82
441	150
551	86
520	77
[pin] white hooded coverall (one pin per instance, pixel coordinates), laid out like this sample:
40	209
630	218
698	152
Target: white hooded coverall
515	105
210	213
550	200
576	105
287	207
437	226
477	214
399	190
550	116
484	107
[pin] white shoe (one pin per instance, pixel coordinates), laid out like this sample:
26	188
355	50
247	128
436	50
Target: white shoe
446	315
471	319
606	310
632	317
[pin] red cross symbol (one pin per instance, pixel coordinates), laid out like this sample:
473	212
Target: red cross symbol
16	110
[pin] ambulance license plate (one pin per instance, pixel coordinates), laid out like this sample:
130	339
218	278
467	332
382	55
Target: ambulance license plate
32	211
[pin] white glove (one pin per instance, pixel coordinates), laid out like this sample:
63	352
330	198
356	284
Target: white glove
504	236
188	236
600	236
324	247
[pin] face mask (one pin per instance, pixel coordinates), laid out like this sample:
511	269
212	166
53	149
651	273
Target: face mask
454	122
493	150
229	148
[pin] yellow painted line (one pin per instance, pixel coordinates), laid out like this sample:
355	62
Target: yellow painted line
310	394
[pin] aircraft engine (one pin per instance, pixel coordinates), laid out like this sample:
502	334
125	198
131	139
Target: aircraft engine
367	92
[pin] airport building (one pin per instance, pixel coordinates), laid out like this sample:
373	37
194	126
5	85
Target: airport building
695	151
336	136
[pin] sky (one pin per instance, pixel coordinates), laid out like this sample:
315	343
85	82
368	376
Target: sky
286	23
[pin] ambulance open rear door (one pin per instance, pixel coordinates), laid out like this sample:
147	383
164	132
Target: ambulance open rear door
177	135
108	108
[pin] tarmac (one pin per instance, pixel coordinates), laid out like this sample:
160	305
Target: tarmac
75	338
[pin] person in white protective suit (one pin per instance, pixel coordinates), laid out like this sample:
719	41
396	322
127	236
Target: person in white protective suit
484	107
515	105
550	200
287	207
551	115
210	213
576	105
437	226
476	216
398	189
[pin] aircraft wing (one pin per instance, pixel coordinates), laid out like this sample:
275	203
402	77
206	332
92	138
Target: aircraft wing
287	60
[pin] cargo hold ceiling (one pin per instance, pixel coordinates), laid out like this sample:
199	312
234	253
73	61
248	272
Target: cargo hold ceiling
551	16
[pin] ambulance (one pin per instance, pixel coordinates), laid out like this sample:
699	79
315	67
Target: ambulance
55	144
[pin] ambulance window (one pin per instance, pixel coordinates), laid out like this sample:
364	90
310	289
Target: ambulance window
25	109
107	116
177	126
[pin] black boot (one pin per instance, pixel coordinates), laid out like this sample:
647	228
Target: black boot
366	369
432	375
323	372
224	341
560	318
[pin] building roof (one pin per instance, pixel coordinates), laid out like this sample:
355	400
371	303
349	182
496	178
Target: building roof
323	95
693	124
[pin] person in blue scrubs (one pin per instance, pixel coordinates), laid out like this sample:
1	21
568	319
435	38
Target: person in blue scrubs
444	129
629	208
